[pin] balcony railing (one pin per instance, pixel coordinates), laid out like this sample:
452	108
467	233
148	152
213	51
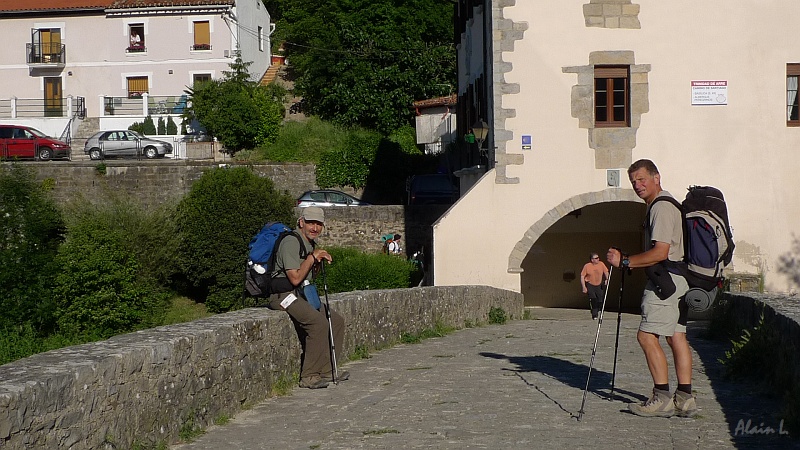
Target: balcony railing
145	104
46	54
201	47
139	48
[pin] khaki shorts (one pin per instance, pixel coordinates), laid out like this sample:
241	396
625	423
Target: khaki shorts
664	317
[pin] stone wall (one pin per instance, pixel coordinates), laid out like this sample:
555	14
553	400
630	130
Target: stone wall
142	388
157	182
153	182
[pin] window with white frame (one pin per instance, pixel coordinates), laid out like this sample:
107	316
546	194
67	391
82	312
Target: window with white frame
261	39
202	35
136	38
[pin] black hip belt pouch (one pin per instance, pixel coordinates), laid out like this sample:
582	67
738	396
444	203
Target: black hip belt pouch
659	276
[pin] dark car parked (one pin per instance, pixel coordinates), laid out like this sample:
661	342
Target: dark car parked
434	189
328	197
125	143
19	141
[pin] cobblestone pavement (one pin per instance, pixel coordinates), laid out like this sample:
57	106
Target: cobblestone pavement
512	386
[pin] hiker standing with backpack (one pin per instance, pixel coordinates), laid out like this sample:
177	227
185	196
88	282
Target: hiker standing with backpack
664	312
296	263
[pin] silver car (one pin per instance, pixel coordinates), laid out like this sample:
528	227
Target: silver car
124	143
328	197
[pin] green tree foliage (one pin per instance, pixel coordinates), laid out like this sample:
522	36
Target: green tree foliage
148	127
224	209
303	141
365	61
356	271
380	165
31	229
161	129
113	267
238	112
172	128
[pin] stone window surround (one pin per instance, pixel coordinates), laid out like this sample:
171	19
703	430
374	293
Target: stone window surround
613	146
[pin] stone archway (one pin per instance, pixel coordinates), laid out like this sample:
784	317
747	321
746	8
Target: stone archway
536	230
549	257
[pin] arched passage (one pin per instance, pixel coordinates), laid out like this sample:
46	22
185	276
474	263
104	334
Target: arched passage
550	255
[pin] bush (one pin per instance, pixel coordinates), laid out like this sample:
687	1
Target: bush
148	127
224	209
349	165
352	270
31	229
162	126
172	128
98	290
113	268
302	142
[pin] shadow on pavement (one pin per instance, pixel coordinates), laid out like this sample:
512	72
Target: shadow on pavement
753	417
568	373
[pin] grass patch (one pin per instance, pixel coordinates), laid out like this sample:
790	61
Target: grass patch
528	315
284	385
183	309
360	352
440	330
189	430
222	420
497	315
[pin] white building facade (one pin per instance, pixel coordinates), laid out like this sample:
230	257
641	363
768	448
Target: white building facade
112	54
574	91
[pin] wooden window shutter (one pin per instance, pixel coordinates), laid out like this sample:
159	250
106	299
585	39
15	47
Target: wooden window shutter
202	33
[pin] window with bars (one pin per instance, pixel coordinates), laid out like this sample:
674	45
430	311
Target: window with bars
202	35
792	107
137	86
612	96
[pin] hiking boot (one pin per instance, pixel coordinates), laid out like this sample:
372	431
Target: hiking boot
685	404
315	382
343	376
658	405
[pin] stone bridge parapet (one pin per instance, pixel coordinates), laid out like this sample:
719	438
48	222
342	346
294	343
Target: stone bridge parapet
145	388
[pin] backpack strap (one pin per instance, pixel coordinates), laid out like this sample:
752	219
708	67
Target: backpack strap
303	252
677	204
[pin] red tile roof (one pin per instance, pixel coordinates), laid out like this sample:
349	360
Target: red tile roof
65	5
51	5
121	4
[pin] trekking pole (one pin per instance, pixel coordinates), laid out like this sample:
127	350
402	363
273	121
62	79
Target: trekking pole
619	319
594	349
334	369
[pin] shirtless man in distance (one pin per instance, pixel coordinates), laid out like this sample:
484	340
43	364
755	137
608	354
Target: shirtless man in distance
594	277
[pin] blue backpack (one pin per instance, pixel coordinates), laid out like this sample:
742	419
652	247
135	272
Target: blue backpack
707	241
261	258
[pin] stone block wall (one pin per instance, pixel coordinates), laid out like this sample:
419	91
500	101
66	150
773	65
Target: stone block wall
142	388
153	182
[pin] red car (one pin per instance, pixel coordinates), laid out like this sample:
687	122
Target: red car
19	141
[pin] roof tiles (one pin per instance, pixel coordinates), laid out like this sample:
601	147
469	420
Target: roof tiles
51	5
65	5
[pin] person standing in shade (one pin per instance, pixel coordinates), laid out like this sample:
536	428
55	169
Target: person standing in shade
594	278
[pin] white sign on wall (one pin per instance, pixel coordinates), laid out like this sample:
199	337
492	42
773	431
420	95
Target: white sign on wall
709	92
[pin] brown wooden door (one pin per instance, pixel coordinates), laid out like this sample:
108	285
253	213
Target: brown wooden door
53	102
